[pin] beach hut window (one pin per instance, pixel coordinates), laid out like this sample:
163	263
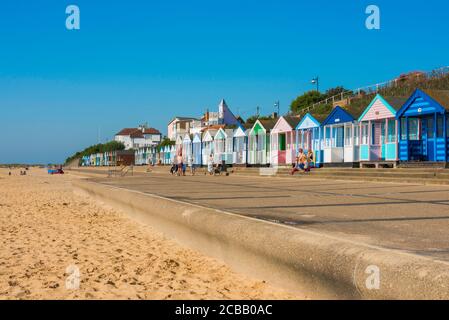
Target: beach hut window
356	136
338	137
328	136
403	128
440	128
260	145
382	132
391	131
430	128
365	133
413	132
348	136
447	127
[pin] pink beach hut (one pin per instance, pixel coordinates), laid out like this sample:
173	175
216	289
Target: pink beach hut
283	137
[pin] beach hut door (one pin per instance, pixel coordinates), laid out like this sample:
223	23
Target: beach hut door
427	135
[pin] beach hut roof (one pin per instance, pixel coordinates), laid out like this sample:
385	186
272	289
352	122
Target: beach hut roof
187	138
430	101
197	138
268	124
221	134
209	135
308	122
179	140
392	103
338	115
239	132
286	123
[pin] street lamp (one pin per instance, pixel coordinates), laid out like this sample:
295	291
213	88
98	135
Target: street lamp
277	106
317	82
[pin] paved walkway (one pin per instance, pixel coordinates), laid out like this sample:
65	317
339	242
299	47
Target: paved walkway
412	218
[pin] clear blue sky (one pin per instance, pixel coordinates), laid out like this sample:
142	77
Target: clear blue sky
146	61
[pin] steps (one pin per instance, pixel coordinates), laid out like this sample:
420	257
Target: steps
409	175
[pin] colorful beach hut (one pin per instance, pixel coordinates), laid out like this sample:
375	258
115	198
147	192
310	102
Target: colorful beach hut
283	141
309	136
341	138
208	145
223	146
259	142
240	147
378	130
196	149
167	155
187	148
424	127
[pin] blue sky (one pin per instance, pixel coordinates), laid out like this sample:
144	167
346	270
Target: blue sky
146	61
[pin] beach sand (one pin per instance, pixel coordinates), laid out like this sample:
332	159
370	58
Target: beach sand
48	234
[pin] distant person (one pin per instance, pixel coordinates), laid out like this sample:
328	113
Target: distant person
180	165
309	161
210	165
174	167
191	163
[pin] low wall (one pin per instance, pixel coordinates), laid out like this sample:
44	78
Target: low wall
303	261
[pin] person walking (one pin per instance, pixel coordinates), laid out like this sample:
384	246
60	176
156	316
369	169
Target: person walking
210	165
180	164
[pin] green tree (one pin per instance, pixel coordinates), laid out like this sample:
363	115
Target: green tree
98	148
305	100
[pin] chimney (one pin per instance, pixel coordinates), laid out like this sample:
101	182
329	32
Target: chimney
274	115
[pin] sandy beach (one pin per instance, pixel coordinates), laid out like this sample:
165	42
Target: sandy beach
49	234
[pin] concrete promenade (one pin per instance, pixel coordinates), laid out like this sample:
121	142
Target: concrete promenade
410	218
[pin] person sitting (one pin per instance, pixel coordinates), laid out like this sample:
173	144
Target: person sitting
300	163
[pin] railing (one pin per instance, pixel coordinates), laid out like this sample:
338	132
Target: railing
375	88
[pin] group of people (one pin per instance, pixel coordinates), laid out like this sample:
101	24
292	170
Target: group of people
303	162
179	168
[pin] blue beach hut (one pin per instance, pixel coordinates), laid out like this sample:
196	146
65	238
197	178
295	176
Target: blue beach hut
309	137
424	127
197	149
341	142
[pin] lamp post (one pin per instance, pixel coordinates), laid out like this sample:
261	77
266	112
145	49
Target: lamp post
317	82
277	106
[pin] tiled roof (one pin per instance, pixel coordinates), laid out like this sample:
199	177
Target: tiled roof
292	121
440	96
136	132
269	124
396	102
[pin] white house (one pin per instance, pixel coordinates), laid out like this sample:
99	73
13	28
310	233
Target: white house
135	138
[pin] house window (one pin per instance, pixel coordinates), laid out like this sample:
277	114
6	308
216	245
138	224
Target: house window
413	129
440	129
391	131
